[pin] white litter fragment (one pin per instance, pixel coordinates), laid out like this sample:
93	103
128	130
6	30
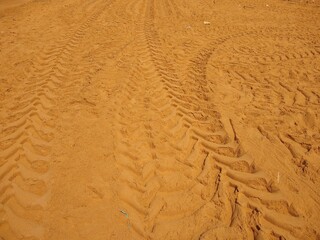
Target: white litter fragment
206	23
124	213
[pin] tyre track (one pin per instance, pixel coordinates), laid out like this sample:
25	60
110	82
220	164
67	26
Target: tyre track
281	90
164	205
26	142
218	176
238	169
259	192
134	145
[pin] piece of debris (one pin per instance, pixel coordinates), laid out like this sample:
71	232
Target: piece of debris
206	23
124	213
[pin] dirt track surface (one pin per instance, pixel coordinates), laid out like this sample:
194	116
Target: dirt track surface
138	120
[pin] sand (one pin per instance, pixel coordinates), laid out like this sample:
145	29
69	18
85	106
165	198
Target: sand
167	119
7	5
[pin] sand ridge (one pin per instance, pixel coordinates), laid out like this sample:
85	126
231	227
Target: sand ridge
160	120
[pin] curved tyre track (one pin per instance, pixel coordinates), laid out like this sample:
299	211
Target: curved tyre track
281	85
221	188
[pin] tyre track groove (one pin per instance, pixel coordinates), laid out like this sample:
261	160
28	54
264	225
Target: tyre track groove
223	157
26	142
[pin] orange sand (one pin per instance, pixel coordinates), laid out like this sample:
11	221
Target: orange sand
159	119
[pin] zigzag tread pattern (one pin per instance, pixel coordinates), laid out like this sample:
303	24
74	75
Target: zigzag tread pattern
186	174
26	141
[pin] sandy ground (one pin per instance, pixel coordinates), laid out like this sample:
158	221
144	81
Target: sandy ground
6	4
159	119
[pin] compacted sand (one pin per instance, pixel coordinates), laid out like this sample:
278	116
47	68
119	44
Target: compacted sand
159	119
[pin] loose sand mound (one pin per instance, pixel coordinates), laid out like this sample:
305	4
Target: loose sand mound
167	119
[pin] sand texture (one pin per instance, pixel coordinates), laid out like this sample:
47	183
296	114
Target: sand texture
159	119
